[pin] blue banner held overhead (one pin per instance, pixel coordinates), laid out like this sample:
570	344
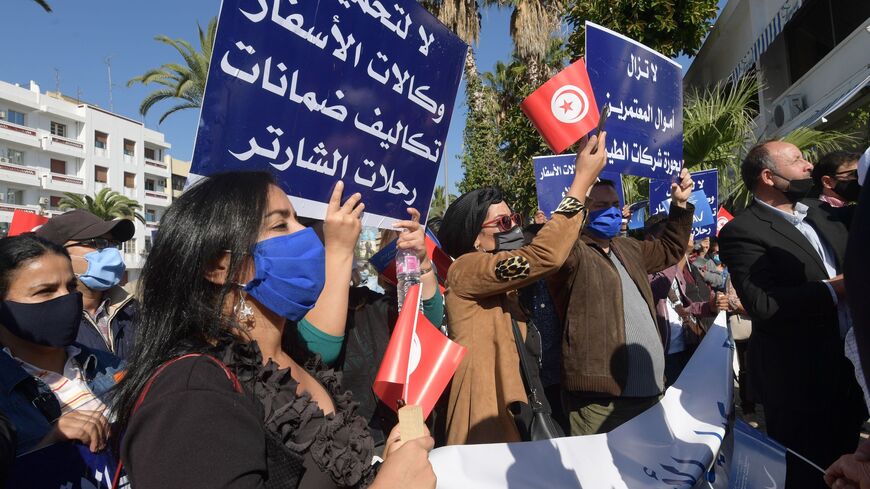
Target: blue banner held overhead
706	181
645	92
317	91
553	177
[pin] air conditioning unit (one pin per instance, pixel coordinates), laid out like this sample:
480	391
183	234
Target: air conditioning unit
788	109
43	201
4	159
2	115
2	197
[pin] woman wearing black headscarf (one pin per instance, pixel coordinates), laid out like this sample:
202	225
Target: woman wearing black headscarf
480	231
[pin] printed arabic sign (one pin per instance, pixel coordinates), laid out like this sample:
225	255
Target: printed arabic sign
553	176
316	91
73	466
706	181
645	93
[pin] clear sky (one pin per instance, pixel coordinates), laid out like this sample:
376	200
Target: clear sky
68	49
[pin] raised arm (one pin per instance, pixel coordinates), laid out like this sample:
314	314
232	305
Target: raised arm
486	274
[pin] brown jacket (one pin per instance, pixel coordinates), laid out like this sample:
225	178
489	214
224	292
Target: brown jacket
481	298
588	297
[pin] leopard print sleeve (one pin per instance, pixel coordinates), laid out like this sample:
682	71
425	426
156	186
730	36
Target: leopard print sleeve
569	206
513	268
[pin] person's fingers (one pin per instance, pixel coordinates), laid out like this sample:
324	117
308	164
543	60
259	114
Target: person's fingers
335	198
409	225
601	142
591	146
415	214
351	202
862	454
358	210
426	443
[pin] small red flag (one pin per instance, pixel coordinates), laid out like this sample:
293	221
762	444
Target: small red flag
25	222
564	108
416	367
723	217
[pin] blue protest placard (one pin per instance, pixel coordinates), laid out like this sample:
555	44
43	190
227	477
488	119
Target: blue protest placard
706	181
316	91
553	177
644	89
72	466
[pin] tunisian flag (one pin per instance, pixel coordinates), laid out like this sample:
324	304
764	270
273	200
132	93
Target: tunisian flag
419	361
723	217
564	108
25	222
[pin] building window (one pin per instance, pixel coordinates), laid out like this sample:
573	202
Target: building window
129	180
101	174
129	147
14	196
15	117
101	140
15	156
58	166
129	246
149	184
178	182
150	215
54	201
147	244
58	129
149	153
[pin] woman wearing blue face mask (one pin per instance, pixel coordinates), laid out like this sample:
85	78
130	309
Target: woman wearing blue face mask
53	389
480	231
210	399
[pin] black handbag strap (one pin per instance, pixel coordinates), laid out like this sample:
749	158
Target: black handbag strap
531	391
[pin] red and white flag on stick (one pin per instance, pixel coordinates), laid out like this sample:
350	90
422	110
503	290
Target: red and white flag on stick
419	361
564	108
723	217
25	222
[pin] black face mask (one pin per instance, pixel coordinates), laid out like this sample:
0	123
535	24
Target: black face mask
848	190
797	189
52	323
509	240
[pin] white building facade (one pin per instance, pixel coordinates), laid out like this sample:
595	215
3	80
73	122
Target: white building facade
814	57
50	144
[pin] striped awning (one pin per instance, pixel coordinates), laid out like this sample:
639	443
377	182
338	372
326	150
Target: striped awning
774	27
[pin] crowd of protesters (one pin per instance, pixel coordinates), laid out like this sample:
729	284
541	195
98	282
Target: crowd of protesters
247	357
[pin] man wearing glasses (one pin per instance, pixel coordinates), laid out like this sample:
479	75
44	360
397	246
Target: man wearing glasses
94	248
836	178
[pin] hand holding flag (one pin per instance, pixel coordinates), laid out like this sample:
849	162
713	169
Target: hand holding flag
563	109
419	361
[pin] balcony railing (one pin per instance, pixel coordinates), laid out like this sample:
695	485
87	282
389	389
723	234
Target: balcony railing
11	126
7	166
155	163
156	195
55	177
67	141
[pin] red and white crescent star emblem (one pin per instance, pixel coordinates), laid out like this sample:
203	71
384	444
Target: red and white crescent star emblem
569	104
721	222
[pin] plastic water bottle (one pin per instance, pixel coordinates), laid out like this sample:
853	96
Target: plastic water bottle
407	273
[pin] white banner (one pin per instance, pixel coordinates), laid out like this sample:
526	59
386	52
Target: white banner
670	445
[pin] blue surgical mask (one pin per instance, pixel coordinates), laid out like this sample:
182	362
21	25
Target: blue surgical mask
605	223
716	259
105	269
290	271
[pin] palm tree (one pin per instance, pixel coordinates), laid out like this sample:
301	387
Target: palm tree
184	82
439	201
107	204
719	127
43	4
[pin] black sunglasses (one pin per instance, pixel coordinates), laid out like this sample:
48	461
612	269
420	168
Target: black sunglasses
97	243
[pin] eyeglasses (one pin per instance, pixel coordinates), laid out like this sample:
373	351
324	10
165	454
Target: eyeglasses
97	243
503	223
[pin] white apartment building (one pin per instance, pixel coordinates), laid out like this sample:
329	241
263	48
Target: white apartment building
50	144
814	56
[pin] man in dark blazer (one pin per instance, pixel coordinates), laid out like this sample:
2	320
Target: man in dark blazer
786	261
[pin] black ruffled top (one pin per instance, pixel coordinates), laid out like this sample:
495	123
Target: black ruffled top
339	444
